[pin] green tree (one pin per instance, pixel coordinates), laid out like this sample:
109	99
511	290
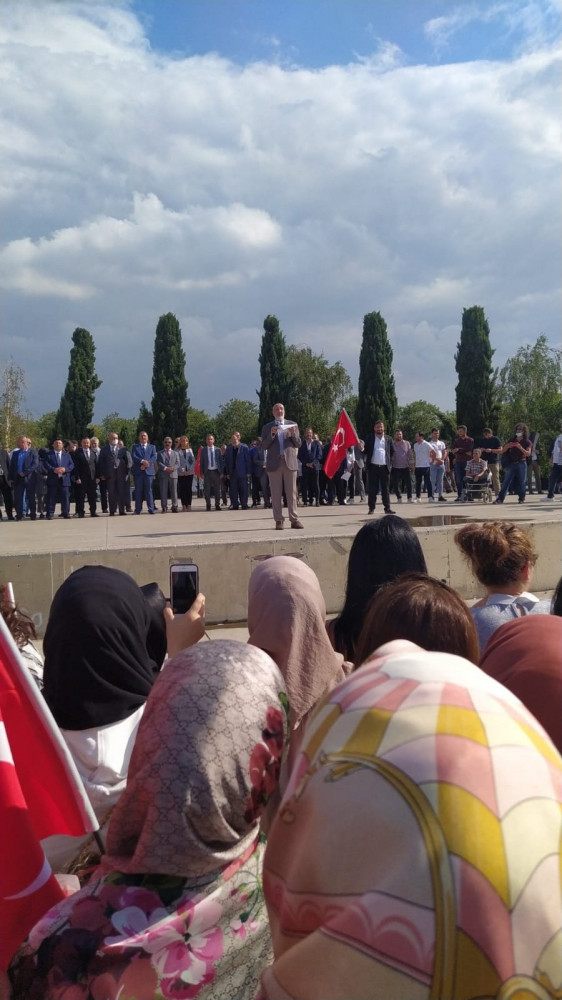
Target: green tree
530	390
317	390
349	404
76	407
199	424
236	415
422	416
144	421
273	369
42	429
475	390
169	384
125	427
376	391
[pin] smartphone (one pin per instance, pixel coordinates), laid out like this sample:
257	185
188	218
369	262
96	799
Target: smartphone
184	586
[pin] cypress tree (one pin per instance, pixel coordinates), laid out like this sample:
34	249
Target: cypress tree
76	408
273	369
144	420
169	384
473	364
376	390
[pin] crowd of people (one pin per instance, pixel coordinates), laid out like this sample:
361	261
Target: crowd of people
359	808
275	469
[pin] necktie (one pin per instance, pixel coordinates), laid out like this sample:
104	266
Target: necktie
88	454
58	457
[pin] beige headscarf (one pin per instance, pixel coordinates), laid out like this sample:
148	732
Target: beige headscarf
286	618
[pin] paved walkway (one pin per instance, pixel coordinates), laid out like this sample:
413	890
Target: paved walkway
200	526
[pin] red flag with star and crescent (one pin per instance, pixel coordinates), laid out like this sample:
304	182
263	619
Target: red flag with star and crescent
40	794
344	437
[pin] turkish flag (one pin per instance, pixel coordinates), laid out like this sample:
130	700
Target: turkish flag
197	467
344	438
40	794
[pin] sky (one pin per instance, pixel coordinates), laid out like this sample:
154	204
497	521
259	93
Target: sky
315	159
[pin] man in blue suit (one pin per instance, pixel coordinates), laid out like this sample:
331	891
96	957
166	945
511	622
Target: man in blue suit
22	473
310	457
58	465
144	459
238	466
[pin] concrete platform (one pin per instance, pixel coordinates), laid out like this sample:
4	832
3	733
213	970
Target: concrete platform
37	556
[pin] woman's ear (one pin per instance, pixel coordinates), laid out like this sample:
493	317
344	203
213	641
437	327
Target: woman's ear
527	573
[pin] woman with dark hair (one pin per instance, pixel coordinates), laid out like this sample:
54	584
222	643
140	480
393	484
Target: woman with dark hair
381	551
156	635
556	607
423	610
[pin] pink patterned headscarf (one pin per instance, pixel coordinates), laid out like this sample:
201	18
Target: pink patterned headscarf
200	763
287	618
417	851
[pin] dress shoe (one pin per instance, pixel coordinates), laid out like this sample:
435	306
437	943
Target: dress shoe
49	517
387	510
93	515
296	524
112	513
279	525
371	510
209	506
33	517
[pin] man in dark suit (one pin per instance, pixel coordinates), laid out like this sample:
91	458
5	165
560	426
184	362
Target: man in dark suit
5	488
379	450
143	455
85	477
310	457
22	473
281	440
114	465
238	465
211	468
58	465
95	446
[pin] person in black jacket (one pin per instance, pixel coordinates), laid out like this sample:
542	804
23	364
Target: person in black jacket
114	466
5	488
85	477
379	449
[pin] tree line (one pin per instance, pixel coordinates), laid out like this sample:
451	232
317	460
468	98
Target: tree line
528	387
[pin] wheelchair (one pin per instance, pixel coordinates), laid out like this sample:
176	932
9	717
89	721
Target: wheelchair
479	492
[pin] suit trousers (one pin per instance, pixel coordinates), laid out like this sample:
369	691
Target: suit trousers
81	491
401	481
143	491
310	486
282	480
23	489
378	479
6	491
116	488
422	475
212	484
53	489
238	491
168	488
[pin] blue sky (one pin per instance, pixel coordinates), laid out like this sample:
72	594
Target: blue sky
315	159
317	33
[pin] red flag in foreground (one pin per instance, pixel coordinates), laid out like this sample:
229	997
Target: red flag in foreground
40	794
344	438
197	466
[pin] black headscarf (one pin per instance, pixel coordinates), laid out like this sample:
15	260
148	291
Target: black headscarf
97	666
156	639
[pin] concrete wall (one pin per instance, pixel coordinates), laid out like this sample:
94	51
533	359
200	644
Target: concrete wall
225	568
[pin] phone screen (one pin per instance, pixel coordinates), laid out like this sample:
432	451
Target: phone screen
184	587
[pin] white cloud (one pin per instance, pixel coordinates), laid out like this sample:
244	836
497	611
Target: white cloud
535	21
134	183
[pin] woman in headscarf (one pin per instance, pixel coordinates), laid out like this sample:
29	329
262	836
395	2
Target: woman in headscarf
417	850
286	618
97	676
526	656
176	909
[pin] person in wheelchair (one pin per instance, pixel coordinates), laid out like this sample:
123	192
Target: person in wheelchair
476	477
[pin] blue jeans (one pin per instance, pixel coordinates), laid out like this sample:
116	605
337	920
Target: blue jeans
515	473
436	473
459	470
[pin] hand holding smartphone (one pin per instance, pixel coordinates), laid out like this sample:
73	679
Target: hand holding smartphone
184	586
185	620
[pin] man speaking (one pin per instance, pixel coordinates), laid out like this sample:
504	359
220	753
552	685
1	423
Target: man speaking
281	440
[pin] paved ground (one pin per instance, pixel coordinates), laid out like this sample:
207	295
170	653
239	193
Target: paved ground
199	526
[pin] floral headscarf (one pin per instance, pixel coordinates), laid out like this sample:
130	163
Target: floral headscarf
417	852
176	908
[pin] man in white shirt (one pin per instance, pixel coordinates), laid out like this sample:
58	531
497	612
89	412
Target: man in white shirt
379	450
437	457
211	467
556	471
422	451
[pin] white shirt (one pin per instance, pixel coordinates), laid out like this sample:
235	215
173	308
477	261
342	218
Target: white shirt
422	451
379	451
557	451
438	447
212	458
280	433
